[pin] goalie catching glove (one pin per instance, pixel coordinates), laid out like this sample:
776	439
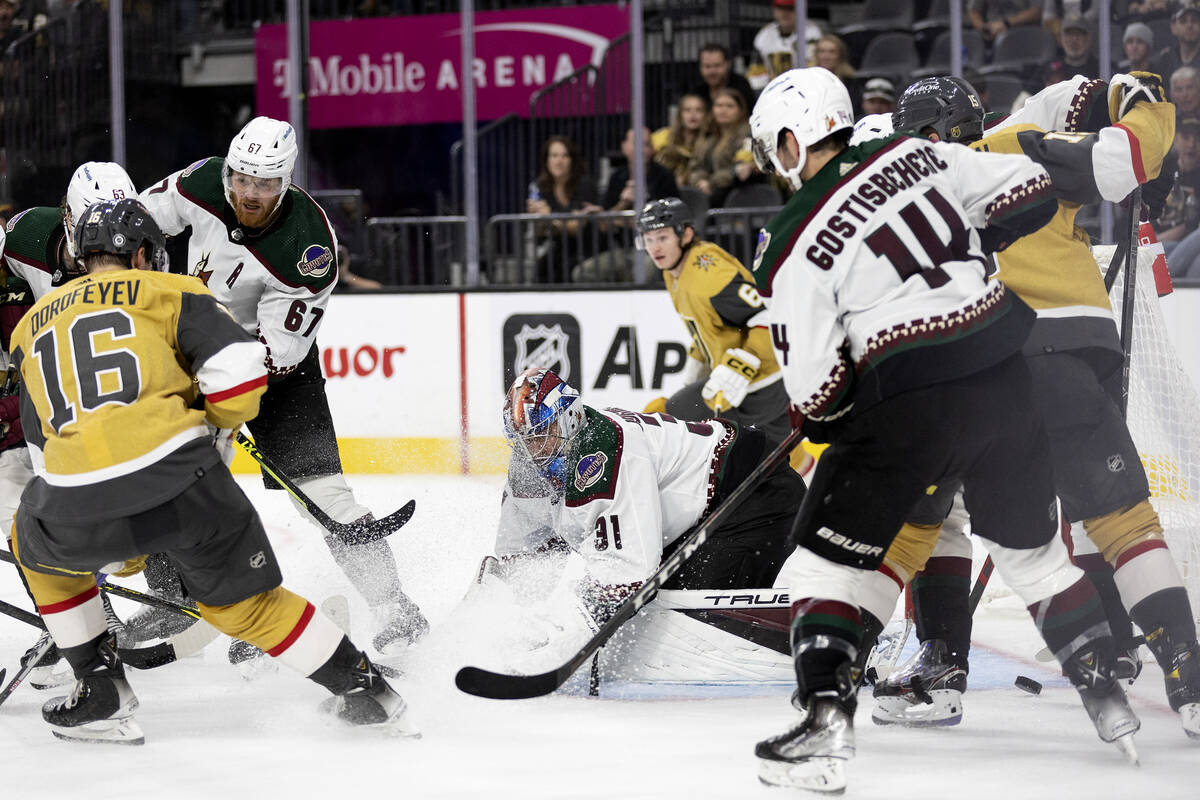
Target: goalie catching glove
1127	90
729	381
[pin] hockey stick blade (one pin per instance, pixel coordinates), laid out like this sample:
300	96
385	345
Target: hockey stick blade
353	533
500	686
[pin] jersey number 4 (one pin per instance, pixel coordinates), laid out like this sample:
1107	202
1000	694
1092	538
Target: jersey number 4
116	366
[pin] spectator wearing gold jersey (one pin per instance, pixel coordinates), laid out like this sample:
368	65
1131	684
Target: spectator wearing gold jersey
730	370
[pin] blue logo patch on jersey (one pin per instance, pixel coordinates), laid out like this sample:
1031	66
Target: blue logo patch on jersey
589	469
760	250
316	261
194	167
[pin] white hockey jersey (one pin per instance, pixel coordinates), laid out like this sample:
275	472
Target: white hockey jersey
635	484
275	282
874	273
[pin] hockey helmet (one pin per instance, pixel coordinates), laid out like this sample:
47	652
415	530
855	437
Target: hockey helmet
93	182
264	148
669	212
119	229
810	102
542	415
949	105
872	126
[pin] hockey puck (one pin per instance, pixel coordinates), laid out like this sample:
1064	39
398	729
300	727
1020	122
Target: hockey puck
1028	685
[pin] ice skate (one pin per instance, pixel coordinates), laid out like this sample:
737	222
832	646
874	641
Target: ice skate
47	672
99	709
372	702
251	662
812	755
1091	671
926	691
150	622
1182	677
400	624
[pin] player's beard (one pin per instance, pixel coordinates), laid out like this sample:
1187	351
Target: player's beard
256	217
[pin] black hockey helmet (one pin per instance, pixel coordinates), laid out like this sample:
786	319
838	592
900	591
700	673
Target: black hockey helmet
669	212
119	228
949	105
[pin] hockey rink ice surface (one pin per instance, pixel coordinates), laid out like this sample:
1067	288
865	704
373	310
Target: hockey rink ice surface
210	733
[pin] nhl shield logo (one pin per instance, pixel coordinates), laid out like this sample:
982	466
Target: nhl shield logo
258	560
545	341
1116	463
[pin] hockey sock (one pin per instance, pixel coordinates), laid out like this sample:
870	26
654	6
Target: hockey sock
941	605
1100	573
86	658
1070	619
825	636
1151	586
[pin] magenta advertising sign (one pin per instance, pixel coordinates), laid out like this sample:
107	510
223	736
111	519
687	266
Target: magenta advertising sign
406	70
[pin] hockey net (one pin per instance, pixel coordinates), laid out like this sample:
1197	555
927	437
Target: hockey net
1164	418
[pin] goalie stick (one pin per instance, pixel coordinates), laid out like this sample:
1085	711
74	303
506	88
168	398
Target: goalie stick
350	533
499	686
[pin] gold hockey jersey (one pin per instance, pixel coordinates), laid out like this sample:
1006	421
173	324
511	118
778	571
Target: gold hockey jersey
716	298
1053	270
111	364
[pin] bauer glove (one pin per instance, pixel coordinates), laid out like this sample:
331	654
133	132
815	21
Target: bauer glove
1127	90
729	381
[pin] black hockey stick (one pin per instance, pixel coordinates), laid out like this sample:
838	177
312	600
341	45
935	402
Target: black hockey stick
350	533
981	582
26	667
1129	299
499	686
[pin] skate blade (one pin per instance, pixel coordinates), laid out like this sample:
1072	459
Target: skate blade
821	774
124	731
1126	746
398	726
946	709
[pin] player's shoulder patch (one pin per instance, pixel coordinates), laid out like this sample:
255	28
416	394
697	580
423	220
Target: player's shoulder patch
29	235
596	464
760	249
316	261
201	183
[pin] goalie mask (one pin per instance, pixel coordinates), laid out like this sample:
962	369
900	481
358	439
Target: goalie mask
542	415
950	106
93	182
810	102
264	153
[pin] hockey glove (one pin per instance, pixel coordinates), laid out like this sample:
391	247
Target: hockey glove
693	370
222	440
656	406
729	382
1127	90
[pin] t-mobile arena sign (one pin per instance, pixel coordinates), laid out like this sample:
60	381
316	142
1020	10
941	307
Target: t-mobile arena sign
406	70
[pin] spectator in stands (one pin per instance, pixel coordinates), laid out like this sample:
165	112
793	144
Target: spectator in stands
725	161
716	73
775	42
562	186
8	31
993	17
878	97
1185	92
615	264
1075	57
675	144
832	54
1178	224
1139	45
1184	50
1148	9
1053	12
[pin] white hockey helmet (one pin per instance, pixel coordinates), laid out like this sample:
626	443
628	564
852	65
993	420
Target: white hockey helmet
264	148
93	182
810	102
872	126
